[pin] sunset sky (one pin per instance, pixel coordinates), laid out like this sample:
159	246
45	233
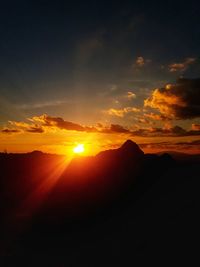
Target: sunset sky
98	73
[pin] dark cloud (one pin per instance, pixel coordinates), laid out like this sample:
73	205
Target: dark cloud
118	129
169	146
177	101
58	122
34	129
192	132
115	128
196	127
169	131
10	131
192	143
43	123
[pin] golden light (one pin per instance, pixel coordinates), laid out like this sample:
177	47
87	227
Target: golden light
79	149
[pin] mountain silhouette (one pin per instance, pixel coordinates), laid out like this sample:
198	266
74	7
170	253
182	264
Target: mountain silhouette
114	208
89	182
128	149
131	149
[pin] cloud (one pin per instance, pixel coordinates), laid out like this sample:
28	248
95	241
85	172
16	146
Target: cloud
40	123
177	101
181	66
143	120
57	122
166	131
35	129
44	123
196	127
130	95
157	117
10	131
194	143
188	147
26	127
174	130
121	112
115	128
140	61
42	104
90	129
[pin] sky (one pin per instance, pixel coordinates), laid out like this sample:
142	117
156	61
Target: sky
98	73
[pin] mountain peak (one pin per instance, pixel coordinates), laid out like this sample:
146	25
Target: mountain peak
131	147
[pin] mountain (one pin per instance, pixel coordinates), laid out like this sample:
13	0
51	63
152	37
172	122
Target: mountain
89	183
183	157
128	149
117	208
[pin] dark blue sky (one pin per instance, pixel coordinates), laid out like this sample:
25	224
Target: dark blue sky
76	58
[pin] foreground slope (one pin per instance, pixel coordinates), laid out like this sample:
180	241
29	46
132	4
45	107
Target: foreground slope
115	209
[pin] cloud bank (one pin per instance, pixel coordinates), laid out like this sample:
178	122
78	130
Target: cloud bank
44	123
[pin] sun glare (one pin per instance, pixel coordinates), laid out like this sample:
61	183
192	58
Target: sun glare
79	149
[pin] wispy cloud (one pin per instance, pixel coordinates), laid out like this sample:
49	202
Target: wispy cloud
181	66
115	128
42	104
141	61
10	131
27	127
121	112
156	117
165	131
130	95
188	147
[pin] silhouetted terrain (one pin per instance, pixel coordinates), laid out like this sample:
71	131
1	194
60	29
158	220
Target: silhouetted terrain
118	208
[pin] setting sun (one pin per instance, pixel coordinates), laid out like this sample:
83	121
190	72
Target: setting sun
79	149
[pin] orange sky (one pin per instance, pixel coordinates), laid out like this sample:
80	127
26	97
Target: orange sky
63	142
99	74
166	120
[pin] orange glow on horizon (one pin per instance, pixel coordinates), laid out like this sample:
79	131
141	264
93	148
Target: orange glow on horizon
65	142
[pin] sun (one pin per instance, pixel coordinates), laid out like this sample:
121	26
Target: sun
79	149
